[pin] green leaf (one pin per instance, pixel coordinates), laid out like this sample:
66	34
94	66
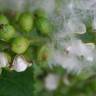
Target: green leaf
88	37
16	84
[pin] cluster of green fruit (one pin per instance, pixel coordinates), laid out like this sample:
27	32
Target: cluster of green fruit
18	42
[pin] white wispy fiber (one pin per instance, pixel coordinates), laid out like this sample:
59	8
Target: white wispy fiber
48	5
19	64
69	62
94	24
80	49
70	52
74	60
3	60
75	26
81	4
51	81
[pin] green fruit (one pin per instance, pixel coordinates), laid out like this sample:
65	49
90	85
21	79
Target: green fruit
26	22
40	13
43	54
7	32
44	26
20	45
3	20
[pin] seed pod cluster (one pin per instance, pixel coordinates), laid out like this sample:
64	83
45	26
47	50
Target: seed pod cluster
18	42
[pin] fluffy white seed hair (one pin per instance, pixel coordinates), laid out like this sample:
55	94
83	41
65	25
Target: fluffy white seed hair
81	4
76	27
3	60
48	5
69	62
74	56
19	64
94	24
51	81
80	49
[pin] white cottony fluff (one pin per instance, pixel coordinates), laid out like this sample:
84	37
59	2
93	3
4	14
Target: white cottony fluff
75	55
81	4
80	49
19	64
75	26
94	24
51	82
71	63
3	60
48	5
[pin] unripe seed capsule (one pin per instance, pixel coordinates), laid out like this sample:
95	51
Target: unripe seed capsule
20	45
7	32
44	26
26	22
3	20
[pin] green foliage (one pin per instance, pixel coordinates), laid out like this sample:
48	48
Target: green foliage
17	84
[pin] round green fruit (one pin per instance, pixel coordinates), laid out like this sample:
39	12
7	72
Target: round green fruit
3	20
26	22
43	53
20	45
44	26
7	32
